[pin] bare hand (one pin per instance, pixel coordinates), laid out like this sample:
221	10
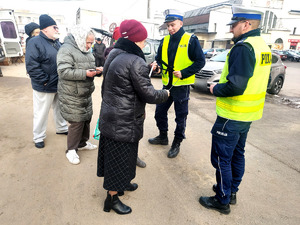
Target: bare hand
177	74
154	65
168	92
99	70
211	88
91	73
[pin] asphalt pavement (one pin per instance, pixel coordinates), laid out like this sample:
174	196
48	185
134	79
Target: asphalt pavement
40	186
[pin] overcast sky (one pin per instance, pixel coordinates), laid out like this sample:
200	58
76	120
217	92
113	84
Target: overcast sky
125	8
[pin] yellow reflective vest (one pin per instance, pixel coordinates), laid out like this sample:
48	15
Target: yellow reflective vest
249	105
181	61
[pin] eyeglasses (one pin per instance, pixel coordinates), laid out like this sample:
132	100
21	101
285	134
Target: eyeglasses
235	24
55	28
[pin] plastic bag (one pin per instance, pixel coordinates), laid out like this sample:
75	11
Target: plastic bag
97	132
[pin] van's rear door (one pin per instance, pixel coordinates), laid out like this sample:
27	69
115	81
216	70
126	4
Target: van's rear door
10	39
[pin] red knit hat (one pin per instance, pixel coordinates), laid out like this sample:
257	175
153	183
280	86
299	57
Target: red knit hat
133	30
116	34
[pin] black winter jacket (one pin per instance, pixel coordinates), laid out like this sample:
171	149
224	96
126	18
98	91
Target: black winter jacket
126	89
41	63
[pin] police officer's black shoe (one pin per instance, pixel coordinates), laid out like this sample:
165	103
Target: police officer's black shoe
213	203
161	139
175	148
232	196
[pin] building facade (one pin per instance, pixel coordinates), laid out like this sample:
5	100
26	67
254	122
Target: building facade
280	23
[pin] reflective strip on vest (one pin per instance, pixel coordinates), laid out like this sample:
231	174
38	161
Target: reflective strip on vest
249	106
181	61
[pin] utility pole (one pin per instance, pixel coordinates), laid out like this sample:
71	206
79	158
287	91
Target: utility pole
148	9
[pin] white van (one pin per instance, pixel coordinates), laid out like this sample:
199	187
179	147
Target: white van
10	40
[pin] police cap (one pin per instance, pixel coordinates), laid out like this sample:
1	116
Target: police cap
241	13
173	14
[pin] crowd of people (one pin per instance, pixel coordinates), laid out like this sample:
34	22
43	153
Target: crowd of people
62	76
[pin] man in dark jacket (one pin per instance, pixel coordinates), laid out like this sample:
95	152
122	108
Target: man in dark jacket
98	52
180	56
41	66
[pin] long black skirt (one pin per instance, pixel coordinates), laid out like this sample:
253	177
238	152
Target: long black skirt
116	163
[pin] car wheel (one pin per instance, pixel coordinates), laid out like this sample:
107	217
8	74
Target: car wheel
276	87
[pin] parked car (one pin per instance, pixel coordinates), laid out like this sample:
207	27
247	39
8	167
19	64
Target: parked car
150	50
2	54
9	34
292	56
211	73
205	51
282	54
213	51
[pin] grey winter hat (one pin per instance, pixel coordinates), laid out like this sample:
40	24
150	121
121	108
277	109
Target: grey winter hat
46	21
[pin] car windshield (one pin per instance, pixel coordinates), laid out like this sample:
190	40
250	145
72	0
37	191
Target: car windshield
221	57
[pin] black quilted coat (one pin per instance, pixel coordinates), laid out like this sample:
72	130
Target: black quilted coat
126	89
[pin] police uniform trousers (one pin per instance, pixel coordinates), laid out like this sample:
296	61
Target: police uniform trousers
180	97
116	163
227	155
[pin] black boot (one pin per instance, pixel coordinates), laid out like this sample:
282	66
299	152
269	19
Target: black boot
213	203
232	196
129	187
175	148
161	139
113	202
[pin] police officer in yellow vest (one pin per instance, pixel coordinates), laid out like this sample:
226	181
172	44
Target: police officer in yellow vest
240	100
180	56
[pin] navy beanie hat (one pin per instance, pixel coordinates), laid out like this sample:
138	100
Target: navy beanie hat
31	27
46	21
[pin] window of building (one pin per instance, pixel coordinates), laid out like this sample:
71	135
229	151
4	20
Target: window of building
201	43
274	21
265	21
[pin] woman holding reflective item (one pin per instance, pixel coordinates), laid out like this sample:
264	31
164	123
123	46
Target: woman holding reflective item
126	89
76	71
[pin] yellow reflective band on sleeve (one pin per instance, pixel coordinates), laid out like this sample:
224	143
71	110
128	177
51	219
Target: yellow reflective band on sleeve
252	97
265	58
240	109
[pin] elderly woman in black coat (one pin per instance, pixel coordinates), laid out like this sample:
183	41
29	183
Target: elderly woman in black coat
126	89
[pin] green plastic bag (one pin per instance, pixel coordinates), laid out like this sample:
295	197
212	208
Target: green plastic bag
97	131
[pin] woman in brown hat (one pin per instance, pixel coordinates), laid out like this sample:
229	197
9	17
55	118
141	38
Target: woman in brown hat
126	89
